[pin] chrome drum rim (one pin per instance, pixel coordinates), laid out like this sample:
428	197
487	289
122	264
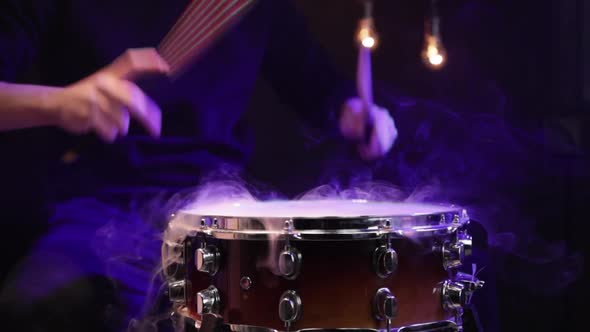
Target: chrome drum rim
439	220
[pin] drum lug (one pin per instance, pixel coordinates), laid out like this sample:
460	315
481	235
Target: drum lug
454	296
453	254
290	262
385	304
454	251
208	301
174	257
290	307
177	291
207	259
466	240
385	261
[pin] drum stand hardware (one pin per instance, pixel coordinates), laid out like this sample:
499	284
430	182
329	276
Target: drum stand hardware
385	306
470	282
385	260
466	240
207	259
454	296
453	255
208	301
456	293
290	308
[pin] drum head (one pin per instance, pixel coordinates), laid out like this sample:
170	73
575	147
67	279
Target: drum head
319	219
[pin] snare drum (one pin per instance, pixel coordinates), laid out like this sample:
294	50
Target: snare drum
325	264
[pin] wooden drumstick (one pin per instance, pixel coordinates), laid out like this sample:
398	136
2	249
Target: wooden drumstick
200	25
366	39
364	79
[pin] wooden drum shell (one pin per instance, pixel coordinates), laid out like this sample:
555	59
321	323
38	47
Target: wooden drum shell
337	283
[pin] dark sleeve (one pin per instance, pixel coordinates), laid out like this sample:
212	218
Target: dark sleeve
300	73
23	24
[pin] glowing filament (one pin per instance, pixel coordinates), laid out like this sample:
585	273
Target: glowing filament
368	42
366	34
434	54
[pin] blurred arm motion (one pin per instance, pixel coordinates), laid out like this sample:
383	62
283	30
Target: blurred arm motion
105	101
305	78
361	120
102	103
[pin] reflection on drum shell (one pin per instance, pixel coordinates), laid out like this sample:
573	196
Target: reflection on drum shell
337	282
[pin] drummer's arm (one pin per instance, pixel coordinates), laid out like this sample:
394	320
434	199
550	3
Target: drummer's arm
103	102
305	78
24	106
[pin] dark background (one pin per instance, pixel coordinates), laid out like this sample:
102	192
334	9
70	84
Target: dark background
524	63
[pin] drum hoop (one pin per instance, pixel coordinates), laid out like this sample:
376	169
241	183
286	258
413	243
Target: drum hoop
328	228
443	325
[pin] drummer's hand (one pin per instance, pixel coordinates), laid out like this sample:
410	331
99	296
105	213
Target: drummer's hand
105	101
354	120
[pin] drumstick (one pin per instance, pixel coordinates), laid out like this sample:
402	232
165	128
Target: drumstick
191	26
366	39
193	8
202	22
364	79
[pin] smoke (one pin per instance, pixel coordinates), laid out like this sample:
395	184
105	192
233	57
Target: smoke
369	190
506	176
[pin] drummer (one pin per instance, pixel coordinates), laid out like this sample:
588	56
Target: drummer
84	147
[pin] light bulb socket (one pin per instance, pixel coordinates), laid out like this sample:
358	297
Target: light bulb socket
368	4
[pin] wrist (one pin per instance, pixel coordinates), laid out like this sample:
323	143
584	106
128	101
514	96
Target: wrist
48	106
27	106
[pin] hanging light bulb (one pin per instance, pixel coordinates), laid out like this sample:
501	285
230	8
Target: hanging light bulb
367	34
433	54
